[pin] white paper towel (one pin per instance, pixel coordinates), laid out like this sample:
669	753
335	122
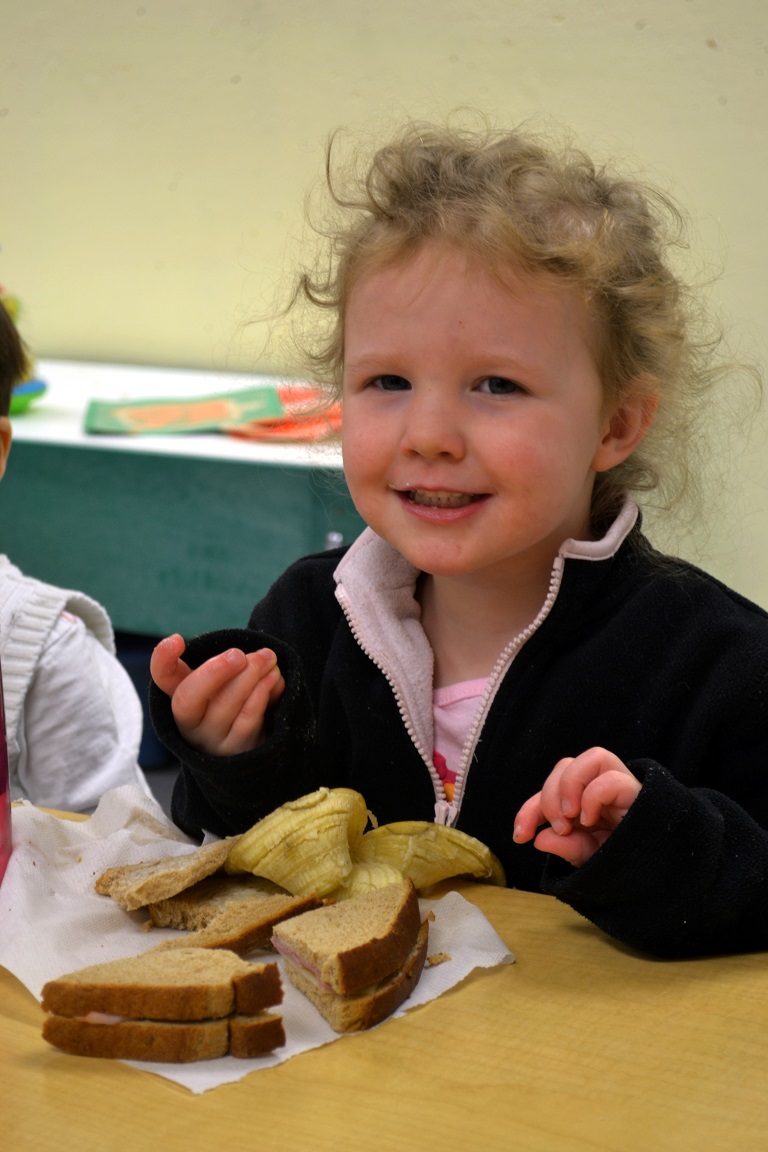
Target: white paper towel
52	921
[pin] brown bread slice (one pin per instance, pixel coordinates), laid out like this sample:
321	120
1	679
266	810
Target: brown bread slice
168	1042
186	984
136	885
357	942
251	1036
371	1006
235	912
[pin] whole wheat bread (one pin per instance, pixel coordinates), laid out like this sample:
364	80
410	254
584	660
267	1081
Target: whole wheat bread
356	943
136	885
167	1042
192	1004
235	912
188	984
358	1012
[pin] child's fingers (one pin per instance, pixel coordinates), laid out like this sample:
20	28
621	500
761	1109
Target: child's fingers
197	691
528	820
246	724
591	790
544	808
554	810
577	847
579	772
275	684
220	707
608	798
166	667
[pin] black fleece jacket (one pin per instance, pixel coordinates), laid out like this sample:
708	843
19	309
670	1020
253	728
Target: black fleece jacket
643	655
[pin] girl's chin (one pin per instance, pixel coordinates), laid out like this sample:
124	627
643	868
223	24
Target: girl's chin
442	562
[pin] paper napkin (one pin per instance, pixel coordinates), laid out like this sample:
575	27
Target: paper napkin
52	921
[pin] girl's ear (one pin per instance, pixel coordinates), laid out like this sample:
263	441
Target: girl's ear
5	443
625	429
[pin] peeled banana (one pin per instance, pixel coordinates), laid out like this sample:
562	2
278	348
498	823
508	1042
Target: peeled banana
306	845
428	853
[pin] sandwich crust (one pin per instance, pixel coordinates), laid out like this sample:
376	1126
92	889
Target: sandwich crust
133	886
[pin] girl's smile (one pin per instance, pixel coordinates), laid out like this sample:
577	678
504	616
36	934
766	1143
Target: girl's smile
439	507
474	421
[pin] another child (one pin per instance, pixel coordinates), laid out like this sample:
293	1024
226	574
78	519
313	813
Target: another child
73	719
502	649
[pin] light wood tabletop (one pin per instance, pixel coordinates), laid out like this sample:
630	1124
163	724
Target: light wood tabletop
580	1045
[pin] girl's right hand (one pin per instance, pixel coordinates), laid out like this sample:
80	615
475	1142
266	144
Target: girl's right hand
219	708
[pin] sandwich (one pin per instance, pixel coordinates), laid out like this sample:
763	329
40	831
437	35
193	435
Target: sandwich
235	912
180	1006
358	960
192	893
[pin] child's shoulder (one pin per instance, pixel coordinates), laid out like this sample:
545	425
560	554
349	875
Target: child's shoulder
306	587
683	585
314	569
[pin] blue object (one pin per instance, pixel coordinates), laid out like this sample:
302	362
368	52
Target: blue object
23	394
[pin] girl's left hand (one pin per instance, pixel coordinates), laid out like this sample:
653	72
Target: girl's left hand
582	801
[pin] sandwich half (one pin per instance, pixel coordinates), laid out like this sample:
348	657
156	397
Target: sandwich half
234	912
358	960
182	1005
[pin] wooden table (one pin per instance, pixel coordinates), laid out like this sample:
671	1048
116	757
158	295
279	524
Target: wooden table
580	1045
170	533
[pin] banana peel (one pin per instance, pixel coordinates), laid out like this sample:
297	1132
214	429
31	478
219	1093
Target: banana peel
366	877
306	845
428	853
317	846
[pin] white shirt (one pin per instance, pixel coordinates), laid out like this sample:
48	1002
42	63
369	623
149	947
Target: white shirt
81	724
73	719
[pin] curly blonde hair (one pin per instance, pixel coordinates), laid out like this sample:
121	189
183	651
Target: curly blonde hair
511	199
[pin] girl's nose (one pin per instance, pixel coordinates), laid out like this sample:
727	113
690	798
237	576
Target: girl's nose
432	427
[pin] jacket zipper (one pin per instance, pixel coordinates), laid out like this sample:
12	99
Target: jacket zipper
426	757
447	811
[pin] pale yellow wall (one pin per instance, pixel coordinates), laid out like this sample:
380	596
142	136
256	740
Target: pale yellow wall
154	154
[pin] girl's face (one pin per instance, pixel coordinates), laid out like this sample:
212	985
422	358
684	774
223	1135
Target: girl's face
474	420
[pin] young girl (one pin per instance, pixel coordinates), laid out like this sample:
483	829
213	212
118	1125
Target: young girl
502	649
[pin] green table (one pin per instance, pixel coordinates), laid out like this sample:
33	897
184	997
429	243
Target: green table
172	533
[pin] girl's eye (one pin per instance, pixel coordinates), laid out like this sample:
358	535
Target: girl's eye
391	383
498	386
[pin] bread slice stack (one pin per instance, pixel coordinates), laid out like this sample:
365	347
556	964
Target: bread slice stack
191	893
358	960
181	1006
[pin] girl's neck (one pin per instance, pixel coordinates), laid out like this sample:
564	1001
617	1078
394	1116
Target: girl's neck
469	625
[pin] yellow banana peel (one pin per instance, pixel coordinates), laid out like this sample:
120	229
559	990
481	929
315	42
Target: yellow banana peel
317	845
366	878
306	845
428	853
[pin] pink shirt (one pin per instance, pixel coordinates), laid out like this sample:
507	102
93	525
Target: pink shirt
454	708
